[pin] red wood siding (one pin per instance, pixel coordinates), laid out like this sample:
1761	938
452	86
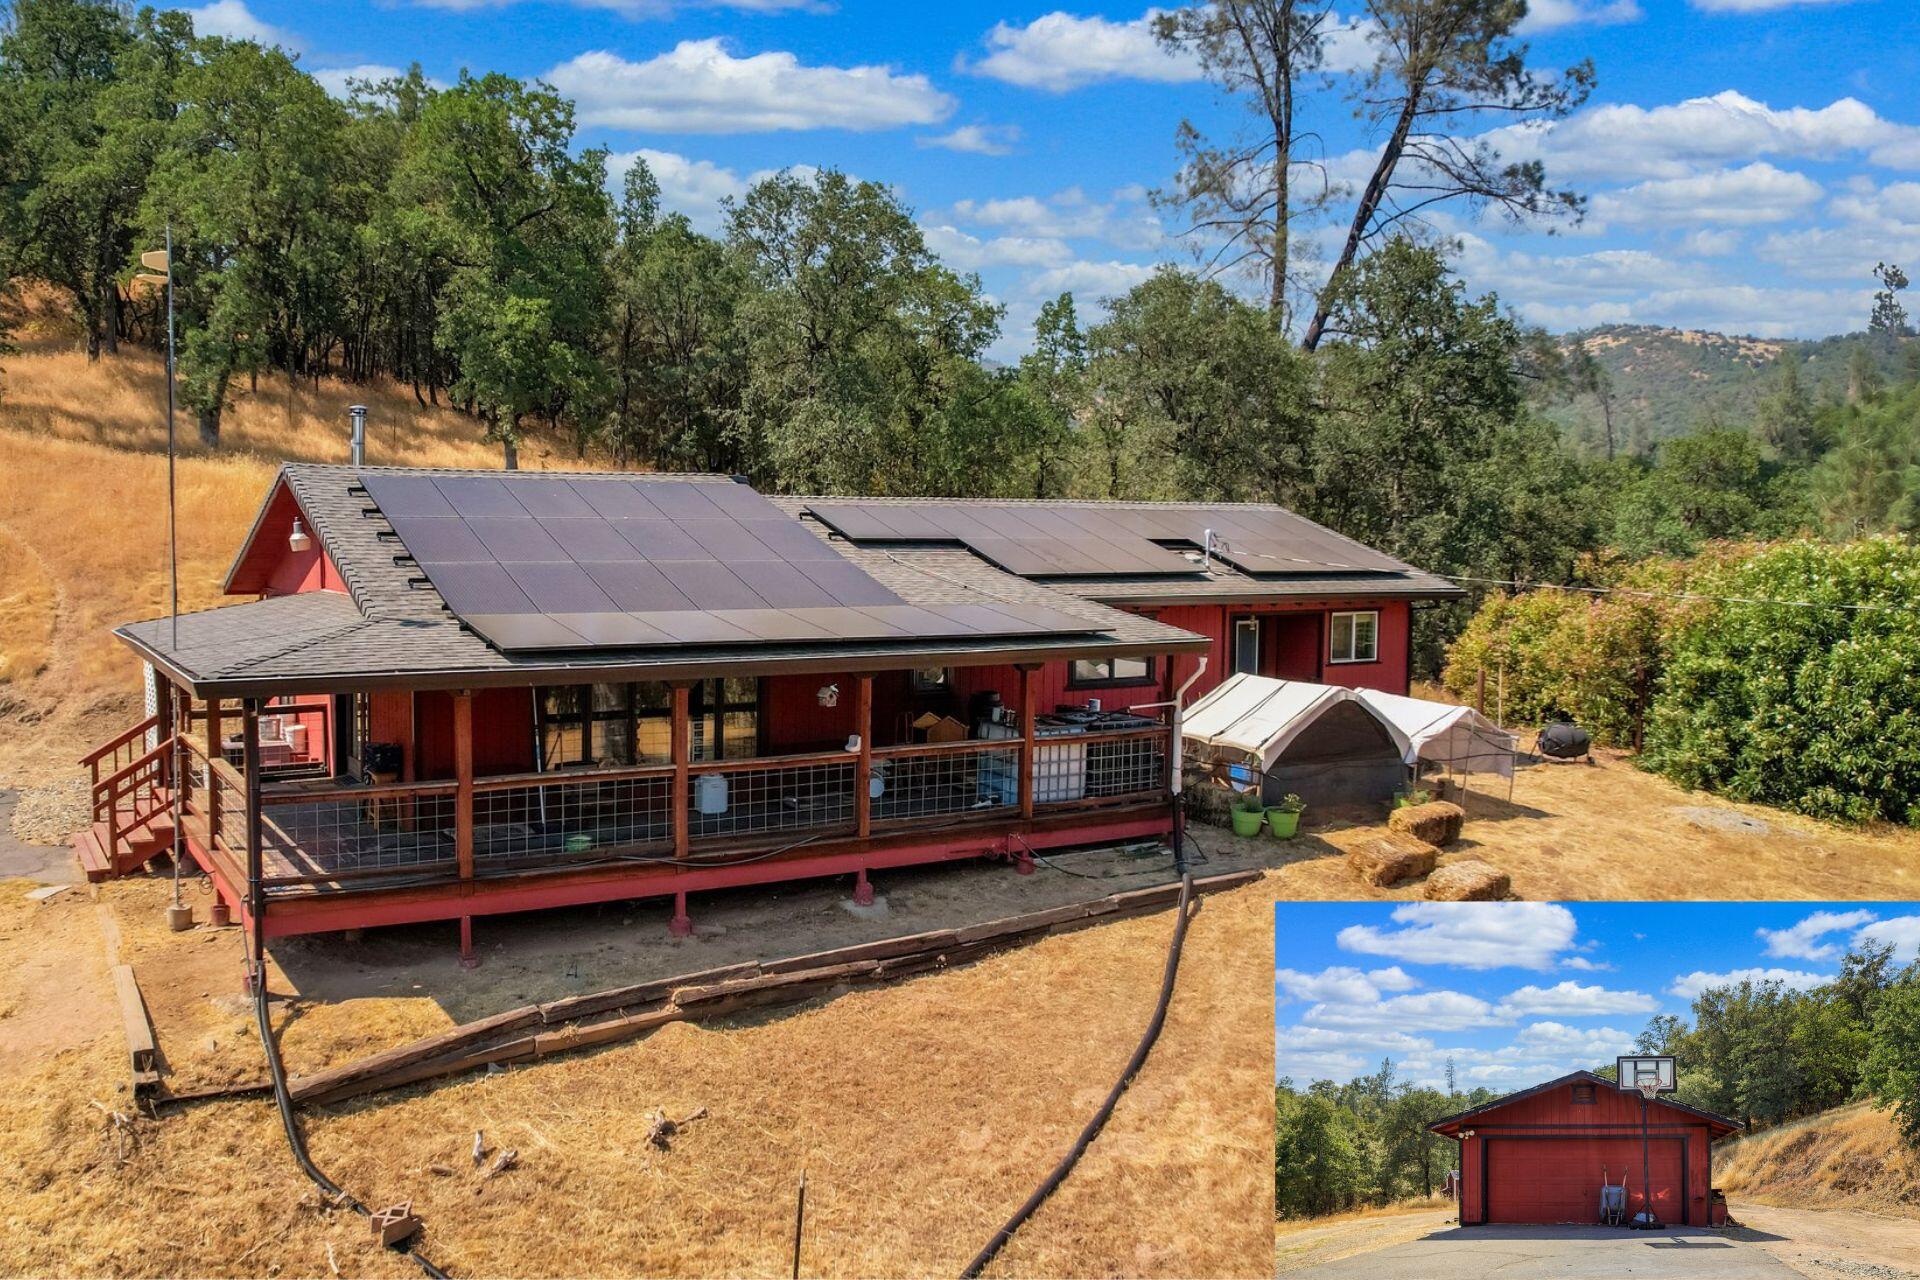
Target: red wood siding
1389	674
268	566
1540	1159
502	732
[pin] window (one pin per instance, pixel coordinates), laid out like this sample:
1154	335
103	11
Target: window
1353	637
1583	1095
616	724
1246	646
932	679
1089	673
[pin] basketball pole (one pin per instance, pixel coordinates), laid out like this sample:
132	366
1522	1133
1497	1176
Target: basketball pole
1646	1166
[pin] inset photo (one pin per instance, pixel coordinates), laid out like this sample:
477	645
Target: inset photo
1658	1090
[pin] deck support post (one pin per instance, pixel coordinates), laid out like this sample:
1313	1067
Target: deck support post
213	753
1029	766
463	781
863	768
256	890
681	926
467	959
681	747
862	889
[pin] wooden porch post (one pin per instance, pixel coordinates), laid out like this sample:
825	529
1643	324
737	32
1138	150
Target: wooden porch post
681	746
256	891
1028	712
213	753
863	770
163	708
463	781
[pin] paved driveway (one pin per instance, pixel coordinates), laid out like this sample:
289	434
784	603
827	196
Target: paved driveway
1560	1253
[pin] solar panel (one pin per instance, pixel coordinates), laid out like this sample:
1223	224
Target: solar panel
1115	539
552	562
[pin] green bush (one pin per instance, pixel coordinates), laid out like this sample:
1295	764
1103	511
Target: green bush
1811	709
1595	657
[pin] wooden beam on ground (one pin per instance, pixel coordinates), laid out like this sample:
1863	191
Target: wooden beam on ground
141	1051
711	993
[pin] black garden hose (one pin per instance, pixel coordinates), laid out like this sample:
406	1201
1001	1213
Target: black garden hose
1060	1171
297	1141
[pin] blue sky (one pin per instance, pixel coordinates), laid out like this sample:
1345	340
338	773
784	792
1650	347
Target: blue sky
1519	992
1748	160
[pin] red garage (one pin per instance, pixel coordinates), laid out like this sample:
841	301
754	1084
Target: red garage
1541	1155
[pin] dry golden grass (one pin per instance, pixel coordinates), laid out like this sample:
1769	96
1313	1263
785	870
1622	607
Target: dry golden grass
1848	1158
922	1115
1611	832
83	530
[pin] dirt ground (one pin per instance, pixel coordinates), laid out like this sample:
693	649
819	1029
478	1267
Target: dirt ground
922	1113
1608	831
1834	1244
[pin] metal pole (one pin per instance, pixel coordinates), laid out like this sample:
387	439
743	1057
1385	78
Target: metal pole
173	535
1646	1165
799	1223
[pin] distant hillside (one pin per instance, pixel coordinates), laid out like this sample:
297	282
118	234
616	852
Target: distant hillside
1667	382
1847	1158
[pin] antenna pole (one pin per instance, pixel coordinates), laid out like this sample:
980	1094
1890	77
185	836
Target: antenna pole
173	533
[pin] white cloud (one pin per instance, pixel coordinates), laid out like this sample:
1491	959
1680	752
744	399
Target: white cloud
1550	15
232	20
1705	243
1089	279
1060	51
970	253
1629	141
699	87
692	187
1521	935
1752	194
977	139
1689	985
1758	6
1571	1000
1124	222
1802	940
1343	985
1584	965
1902	931
1427	1011
1574	1042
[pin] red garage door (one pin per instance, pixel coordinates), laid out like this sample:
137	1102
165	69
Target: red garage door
1557	1179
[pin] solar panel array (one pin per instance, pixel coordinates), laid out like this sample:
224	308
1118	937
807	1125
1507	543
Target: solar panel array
1111	540
558	562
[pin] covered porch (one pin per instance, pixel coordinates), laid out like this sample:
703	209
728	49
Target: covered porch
301	822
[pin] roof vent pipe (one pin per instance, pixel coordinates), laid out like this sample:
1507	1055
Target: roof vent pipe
359	414
1206	553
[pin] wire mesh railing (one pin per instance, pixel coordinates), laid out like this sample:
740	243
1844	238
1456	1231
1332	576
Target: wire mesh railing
911	783
556	817
772	796
1126	764
348	833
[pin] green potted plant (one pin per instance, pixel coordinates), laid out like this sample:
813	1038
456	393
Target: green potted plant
1248	812
1284	818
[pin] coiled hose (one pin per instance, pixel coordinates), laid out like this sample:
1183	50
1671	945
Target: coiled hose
1099	1121
295	1139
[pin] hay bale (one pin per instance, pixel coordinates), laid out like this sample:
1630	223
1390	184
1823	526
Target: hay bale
1437	822
1208	802
1389	859
1470	880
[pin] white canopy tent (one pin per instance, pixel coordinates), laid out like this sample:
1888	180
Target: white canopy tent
1441	733
1261	716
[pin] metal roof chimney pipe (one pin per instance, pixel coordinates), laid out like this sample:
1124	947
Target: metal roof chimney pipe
359	451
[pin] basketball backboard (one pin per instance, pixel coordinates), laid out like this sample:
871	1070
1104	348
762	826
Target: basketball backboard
1638	1069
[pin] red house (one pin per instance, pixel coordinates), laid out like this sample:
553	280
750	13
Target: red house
1540	1155
457	693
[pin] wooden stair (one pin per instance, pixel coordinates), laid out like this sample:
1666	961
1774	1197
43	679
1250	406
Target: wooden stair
138	845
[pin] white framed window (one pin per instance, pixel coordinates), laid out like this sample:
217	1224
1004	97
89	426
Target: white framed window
1353	636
